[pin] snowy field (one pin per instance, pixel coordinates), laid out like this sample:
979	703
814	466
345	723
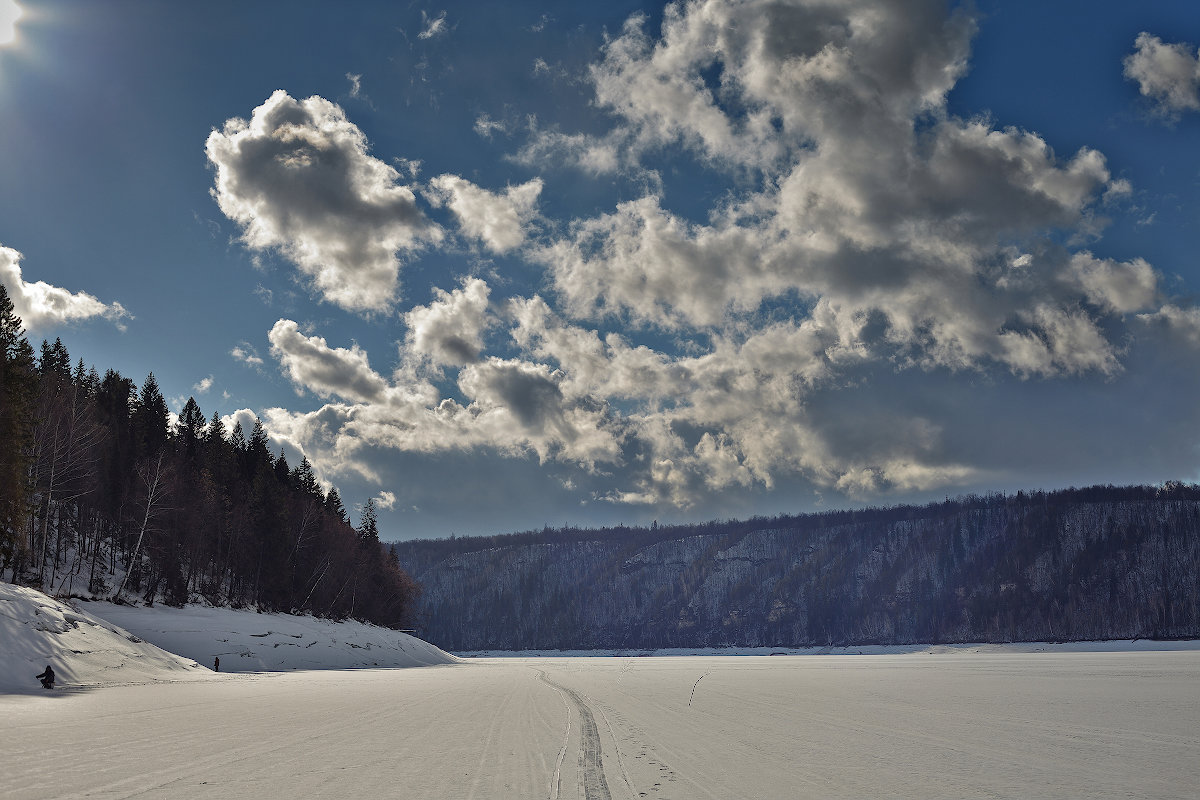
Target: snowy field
920	726
949	724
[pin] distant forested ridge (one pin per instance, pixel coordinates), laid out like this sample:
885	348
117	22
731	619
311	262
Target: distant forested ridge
1080	564
102	496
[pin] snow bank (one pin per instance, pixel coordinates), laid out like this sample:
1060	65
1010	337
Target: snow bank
249	641
85	650
103	644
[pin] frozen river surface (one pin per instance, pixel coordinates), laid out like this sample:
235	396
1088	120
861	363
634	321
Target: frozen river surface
1019	725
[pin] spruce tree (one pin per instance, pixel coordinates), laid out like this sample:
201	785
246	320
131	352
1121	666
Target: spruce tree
190	429
368	528
257	450
333	504
306	481
150	418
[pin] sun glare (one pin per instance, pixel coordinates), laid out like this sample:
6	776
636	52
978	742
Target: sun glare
10	12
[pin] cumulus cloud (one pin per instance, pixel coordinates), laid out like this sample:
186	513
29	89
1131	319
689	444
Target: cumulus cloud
876	217
895	220
499	221
313	365
449	330
877	273
1122	288
298	178
203	385
40	305
1168	74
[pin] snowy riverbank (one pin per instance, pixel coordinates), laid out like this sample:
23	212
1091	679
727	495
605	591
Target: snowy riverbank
1114	646
102	644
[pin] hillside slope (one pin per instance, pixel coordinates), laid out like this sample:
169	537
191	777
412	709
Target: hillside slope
1082	565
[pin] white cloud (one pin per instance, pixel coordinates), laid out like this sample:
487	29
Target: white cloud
1122	288
203	385
1168	74
298	178
385	501
40	305
500	221
449	330
1181	321
355	84
596	156
313	365
865	215
245	353
485	126
433	26
846	315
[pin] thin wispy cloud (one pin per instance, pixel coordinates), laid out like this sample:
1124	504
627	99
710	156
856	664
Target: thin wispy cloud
246	354
433	26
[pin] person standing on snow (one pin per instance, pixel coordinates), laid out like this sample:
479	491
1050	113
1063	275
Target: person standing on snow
47	678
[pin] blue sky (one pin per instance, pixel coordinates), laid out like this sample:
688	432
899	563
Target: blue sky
508	265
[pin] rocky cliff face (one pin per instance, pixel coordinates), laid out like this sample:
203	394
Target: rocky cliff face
1046	567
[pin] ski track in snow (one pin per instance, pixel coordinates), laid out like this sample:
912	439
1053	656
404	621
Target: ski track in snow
593	785
556	779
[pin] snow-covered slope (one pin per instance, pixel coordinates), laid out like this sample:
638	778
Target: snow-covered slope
85	650
247	641
102	644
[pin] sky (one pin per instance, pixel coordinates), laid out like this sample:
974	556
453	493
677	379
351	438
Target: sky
501	266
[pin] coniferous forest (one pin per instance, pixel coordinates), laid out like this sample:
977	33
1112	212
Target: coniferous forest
102	496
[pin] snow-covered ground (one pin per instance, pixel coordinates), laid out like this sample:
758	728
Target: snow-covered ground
249	641
1096	725
85	650
1114	722
93	644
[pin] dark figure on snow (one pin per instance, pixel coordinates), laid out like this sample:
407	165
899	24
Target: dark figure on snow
217	664
47	678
